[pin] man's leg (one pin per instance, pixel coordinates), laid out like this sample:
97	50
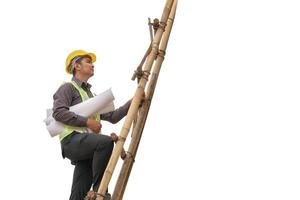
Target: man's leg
82	179
100	161
90	146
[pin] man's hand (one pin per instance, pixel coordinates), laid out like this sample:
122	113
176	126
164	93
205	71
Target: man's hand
114	137
93	125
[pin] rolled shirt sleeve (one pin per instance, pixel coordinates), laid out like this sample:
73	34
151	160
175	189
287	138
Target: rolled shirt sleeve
63	99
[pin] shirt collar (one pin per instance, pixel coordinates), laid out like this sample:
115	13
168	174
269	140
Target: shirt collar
81	84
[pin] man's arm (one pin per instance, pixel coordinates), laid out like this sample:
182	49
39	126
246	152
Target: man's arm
62	102
116	115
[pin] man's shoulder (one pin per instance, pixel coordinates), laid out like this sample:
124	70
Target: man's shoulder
65	87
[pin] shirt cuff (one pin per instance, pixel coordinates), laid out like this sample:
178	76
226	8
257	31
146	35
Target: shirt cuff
81	120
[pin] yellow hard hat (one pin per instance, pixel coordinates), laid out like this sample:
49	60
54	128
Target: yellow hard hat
75	54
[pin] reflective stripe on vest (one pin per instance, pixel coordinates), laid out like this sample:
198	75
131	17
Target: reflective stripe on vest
69	129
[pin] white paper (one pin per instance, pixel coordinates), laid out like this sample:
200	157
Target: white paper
99	104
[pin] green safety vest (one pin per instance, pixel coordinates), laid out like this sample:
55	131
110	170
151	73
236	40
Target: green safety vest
69	129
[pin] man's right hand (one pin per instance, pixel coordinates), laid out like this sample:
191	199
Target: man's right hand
93	125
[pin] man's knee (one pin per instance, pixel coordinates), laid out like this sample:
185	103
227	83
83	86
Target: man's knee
105	142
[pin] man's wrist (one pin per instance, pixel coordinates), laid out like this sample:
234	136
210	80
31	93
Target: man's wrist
82	121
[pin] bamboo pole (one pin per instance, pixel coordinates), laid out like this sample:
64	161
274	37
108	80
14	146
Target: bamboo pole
150	29
132	112
138	130
139	68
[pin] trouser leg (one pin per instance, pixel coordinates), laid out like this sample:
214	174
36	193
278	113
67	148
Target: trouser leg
86	146
82	179
100	161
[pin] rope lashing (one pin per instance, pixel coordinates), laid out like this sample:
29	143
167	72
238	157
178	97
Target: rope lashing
92	195
130	155
154	24
142	74
115	138
162	25
161	53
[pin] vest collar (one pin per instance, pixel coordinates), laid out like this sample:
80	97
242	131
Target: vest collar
81	84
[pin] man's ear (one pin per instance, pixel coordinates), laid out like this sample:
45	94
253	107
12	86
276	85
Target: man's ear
77	66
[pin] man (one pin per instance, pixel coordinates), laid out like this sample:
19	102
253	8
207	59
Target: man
89	152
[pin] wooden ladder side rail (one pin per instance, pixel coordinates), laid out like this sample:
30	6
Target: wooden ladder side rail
138	71
132	112
139	68
139	127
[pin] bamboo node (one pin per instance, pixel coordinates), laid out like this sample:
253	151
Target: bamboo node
170	19
121	139
141	87
130	155
161	53
127	129
108	172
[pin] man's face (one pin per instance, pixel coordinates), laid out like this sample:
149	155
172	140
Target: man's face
86	67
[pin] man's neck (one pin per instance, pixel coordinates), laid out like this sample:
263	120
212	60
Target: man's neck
81	77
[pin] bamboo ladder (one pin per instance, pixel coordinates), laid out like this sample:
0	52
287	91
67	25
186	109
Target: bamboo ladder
155	53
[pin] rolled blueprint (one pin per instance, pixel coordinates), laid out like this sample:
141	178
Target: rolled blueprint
99	104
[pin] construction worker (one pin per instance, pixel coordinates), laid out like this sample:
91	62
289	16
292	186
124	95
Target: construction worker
89	151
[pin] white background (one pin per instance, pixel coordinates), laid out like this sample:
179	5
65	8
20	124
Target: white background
224	121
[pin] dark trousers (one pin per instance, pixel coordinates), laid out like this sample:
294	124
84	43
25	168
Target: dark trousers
90	154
